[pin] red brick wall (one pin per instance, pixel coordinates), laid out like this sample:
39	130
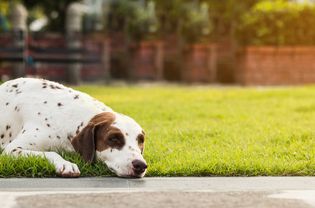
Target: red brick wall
146	60
276	66
200	63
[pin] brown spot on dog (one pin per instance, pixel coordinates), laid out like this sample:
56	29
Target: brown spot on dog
140	139
48	125
58	137
76	97
60	104
37	129
45	102
7	127
23	131
2	136
6	104
15	85
94	136
109	137
46	119
39	113
10	134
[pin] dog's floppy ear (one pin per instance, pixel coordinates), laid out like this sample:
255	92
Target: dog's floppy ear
85	142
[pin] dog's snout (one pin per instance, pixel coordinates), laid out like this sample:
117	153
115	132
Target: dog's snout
139	166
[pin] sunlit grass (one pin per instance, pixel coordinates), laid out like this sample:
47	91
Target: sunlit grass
208	131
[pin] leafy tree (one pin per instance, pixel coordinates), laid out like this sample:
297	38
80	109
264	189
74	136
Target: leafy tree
131	17
278	23
225	15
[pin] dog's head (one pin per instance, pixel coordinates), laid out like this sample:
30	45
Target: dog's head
115	139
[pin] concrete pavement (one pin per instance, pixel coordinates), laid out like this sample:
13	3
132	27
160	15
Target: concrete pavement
158	192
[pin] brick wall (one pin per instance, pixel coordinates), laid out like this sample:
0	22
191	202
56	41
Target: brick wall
200	63
146	60
276	66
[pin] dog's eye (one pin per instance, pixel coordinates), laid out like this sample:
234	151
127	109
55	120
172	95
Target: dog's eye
114	139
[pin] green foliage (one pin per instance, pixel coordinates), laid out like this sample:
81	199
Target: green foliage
134	19
203	131
169	14
278	23
196	24
226	16
189	20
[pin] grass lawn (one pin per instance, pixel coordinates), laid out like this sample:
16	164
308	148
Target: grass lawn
207	131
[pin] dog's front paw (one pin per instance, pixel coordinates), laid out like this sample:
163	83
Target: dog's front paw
67	169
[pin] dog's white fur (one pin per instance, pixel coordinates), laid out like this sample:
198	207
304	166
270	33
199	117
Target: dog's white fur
39	116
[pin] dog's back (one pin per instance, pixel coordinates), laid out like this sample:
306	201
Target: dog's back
47	106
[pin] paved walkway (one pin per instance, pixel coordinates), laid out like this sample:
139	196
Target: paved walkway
158	192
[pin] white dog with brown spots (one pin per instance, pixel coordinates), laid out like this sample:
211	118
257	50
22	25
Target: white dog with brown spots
38	116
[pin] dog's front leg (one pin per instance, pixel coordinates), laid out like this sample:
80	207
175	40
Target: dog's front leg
63	167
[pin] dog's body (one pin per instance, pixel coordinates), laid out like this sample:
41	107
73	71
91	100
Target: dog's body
39	115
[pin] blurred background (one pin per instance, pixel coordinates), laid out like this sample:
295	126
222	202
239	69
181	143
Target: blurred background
248	42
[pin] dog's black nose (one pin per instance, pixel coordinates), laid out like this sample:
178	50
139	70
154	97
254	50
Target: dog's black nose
139	166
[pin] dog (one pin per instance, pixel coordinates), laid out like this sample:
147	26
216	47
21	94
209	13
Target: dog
38	117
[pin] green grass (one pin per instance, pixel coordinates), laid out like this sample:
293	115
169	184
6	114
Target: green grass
39	167
207	131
